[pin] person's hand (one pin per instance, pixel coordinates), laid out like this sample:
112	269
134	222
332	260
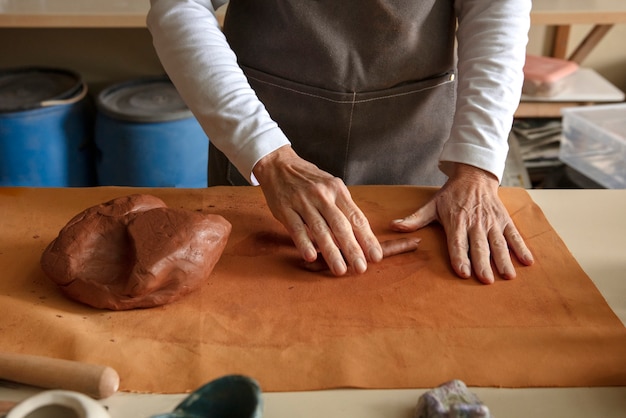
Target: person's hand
477	225
317	210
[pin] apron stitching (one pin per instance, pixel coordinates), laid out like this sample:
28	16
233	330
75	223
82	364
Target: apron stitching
353	101
345	162
404	94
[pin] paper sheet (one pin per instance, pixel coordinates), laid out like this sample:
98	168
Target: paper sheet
409	322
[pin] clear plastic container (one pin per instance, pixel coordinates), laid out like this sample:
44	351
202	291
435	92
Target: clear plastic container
594	143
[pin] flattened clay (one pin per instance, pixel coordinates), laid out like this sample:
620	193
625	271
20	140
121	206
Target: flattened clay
134	252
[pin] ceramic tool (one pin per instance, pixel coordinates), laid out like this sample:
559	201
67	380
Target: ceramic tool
91	379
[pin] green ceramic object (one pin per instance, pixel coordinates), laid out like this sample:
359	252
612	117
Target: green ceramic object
231	396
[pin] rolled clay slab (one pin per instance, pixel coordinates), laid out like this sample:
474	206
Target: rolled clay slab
134	252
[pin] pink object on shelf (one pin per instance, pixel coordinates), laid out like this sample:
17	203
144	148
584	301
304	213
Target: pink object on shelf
544	76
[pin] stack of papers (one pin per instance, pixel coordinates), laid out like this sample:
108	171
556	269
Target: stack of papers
539	141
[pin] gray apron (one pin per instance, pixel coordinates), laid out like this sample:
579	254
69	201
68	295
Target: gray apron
364	89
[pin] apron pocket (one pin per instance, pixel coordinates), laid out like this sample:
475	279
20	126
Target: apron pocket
397	134
316	121
389	136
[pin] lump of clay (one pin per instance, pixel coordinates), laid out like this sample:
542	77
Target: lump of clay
450	400
134	252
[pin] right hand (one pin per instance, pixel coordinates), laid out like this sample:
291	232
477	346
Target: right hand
317	210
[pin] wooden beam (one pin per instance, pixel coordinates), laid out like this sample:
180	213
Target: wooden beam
559	44
589	43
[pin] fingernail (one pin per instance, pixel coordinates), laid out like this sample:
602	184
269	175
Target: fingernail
399	225
311	254
488	275
376	254
339	267
360	265
465	270
508	273
529	259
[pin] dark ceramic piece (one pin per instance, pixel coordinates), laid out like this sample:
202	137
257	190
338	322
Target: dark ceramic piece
231	396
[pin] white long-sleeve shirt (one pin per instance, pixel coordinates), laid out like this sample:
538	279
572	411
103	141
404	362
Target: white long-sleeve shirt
491	37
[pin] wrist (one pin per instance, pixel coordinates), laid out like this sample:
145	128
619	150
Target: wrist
264	165
473	174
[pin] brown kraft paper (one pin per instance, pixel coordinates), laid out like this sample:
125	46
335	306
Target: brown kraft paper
409	322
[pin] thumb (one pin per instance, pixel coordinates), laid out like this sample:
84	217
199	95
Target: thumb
418	219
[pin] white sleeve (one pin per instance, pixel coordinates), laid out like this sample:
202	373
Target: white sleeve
204	69
492	38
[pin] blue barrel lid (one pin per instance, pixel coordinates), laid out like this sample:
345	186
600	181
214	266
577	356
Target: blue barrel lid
31	87
143	100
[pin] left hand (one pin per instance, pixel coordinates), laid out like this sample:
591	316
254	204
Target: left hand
477	225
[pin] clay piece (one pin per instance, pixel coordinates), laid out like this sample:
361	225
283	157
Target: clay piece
230	396
134	252
390	248
451	400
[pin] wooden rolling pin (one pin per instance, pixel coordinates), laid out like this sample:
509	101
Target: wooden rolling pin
390	248
96	381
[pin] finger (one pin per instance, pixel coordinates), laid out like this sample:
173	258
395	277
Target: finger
348	243
333	220
305	220
480	255
500	254
367	241
349	228
458	247
300	235
324	233
419	219
517	245
390	248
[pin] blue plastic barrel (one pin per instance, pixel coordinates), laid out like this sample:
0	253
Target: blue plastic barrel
147	137
46	129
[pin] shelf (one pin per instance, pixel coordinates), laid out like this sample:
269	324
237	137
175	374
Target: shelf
585	87
73	14
132	13
76	14
571	12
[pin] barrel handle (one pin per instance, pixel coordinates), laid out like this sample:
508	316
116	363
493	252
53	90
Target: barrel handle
71	100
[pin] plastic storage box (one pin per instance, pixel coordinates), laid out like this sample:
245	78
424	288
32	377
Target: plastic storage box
594	143
546	76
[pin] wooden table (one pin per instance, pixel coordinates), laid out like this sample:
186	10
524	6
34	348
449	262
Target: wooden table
591	223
